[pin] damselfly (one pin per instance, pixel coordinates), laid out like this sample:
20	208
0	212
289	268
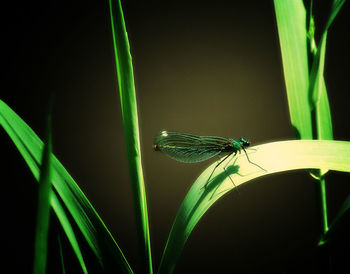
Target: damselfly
189	148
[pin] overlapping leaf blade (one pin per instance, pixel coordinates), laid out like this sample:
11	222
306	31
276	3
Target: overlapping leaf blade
323	108
90	224
318	91
319	109
43	208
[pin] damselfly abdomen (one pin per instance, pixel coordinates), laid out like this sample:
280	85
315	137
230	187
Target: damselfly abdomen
189	148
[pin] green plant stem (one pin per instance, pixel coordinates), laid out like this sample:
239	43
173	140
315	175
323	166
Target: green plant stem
322	256
323	195
321	198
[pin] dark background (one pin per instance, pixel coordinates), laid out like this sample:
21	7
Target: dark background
208	69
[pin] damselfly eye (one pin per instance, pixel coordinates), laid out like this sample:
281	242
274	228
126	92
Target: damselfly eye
244	142
156	147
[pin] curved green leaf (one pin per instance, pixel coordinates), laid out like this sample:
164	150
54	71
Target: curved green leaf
273	157
90	224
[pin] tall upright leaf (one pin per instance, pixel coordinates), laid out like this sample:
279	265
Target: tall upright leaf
43	210
131	127
291	23
318	91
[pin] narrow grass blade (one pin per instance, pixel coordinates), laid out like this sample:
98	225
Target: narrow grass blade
131	127
274	157
317	85
43	210
90	224
336	6
318	94
323	116
68	229
322	120
291	23
61	255
344	210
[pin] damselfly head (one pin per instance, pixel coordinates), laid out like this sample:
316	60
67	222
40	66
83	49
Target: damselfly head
156	147
244	142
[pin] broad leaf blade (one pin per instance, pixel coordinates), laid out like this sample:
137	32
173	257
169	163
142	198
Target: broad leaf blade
291	23
274	157
131	127
90	224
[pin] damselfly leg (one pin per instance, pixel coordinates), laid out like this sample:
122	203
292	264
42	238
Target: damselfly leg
246	154
221	161
226	167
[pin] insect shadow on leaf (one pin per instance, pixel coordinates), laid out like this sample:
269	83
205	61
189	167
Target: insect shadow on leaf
210	189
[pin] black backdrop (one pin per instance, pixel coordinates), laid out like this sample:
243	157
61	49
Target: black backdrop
202	68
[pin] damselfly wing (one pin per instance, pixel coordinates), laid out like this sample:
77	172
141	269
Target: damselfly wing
190	148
